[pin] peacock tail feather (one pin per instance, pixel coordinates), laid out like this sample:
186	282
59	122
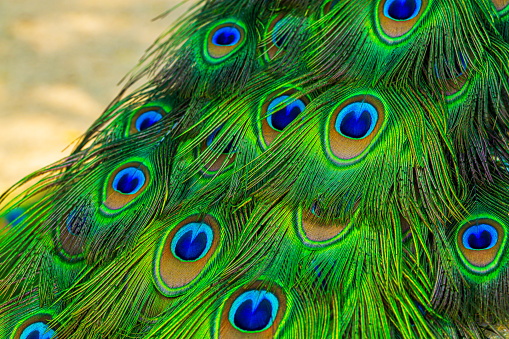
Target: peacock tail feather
287	169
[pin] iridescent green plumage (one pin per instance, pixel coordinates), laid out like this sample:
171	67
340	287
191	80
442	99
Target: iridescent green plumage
290	169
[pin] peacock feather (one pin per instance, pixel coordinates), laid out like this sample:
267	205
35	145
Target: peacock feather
284	169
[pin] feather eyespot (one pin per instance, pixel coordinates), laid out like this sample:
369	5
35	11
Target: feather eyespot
278	119
278	33
356	120
15	216
76	221
316	209
480	244
226	36
396	18
453	75
38	330
145	118
12	218
125	184
278	111
129	180
225	158
480	237
314	231
223	40
184	253
192	242
401	9
35	327
353	125
72	233
252	310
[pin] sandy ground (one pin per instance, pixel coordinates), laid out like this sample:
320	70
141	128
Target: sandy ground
60	64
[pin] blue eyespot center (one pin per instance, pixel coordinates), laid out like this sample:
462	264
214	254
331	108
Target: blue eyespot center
189	248
129	180
402	10
226	36
356	120
281	118
147	119
192	242
38	330
15	216
254	311
250	318
480	237
316	210
76	221
355	126
210	138
280	33
455	70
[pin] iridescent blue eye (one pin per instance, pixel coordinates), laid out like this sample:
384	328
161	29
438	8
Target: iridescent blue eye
254	311
455	70
38	330
147	119
315	209
76	221
480	237
210	138
15	216
192	241
129	180
401	10
226	36
285	114
280	32
357	120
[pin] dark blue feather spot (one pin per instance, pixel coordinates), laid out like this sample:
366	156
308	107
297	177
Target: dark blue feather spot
402	10
33	335
210	138
226	36
286	113
188	248
127	183
356	120
38	330
129	180
355	126
280	33
479	241
455	70
254	311
76	221
249	318
284	117
480	237
147	119
192	241
14	216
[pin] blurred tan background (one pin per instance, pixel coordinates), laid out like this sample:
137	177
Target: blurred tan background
60	63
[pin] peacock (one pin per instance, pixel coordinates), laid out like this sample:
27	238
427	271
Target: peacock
281	169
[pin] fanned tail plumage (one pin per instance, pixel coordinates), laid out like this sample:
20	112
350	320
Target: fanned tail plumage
290	169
